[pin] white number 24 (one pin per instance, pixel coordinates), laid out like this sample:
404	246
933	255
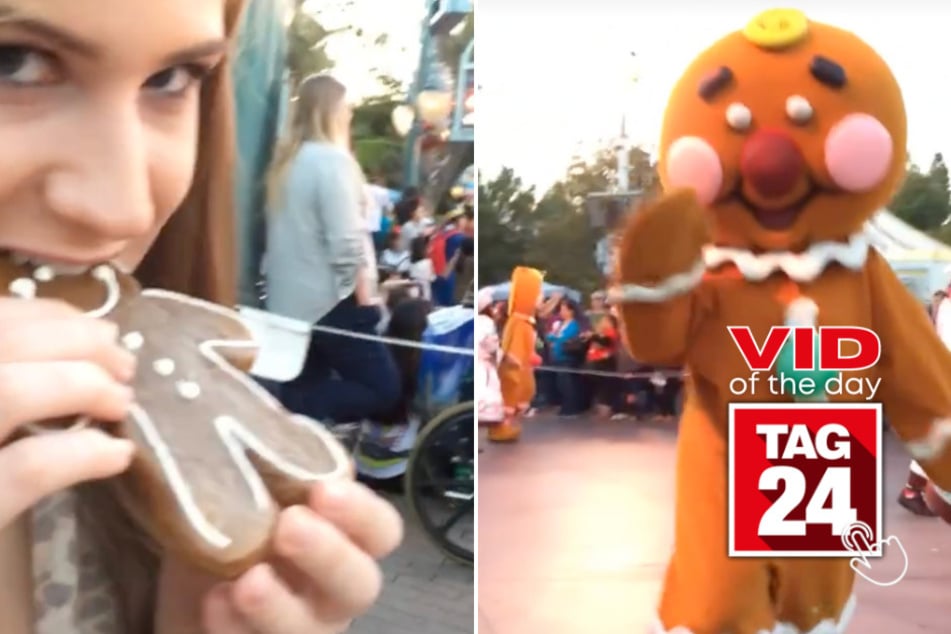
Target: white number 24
835	486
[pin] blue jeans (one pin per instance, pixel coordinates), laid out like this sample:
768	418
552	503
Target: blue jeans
367	382
570	390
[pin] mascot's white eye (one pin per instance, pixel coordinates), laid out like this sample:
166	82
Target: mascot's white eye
739	117
798	109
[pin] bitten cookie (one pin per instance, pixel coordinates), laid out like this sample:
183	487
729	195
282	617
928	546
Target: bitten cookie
218	457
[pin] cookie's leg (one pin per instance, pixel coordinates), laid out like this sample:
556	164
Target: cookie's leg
508	430
518	390
705	592
815	595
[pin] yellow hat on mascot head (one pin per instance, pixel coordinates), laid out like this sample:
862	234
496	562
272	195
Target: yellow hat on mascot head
525	292
790	132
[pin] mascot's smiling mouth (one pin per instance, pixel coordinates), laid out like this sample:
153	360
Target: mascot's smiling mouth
775	218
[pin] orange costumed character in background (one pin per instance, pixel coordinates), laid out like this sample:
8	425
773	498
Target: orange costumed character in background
778	143
516	373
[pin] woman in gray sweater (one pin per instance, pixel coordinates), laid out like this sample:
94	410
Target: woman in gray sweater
321	264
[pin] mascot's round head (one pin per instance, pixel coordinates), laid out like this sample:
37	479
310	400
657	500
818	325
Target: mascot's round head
789	131
525	291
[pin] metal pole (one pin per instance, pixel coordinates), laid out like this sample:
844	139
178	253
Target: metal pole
411	148
620	148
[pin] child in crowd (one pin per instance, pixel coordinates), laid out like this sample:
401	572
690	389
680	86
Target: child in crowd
395	259
420	268
601	356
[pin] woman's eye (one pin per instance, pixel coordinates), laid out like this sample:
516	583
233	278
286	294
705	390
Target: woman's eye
175	81
23	66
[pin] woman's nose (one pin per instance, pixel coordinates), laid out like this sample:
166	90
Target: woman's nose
102	181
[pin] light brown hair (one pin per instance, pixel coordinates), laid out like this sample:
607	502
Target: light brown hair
312	118
194	254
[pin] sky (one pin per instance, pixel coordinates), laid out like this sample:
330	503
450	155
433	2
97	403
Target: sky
356	57
562	72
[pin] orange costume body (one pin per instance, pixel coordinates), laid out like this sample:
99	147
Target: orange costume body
516	373
778	143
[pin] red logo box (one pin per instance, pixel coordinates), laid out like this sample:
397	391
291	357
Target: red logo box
802	474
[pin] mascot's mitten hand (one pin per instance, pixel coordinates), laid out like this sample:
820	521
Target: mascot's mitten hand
664	239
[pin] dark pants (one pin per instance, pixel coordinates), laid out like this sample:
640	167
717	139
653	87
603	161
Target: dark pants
667	397
604	389
570	390
367	382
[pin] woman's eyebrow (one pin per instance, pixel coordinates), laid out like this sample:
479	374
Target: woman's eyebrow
62	38
90	50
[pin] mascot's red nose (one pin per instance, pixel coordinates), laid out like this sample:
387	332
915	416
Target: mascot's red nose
771	163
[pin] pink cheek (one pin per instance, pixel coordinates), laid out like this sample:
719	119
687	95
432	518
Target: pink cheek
858	153
693	163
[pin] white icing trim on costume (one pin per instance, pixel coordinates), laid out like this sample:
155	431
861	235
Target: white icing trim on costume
670	287
933	444
802	312
799	267
754	267
825	626
915	468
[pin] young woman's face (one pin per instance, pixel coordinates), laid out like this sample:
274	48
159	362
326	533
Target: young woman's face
99	122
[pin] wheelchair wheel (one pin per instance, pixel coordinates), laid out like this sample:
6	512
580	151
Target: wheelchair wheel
440	481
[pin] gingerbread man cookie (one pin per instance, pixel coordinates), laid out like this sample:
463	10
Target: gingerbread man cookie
217	457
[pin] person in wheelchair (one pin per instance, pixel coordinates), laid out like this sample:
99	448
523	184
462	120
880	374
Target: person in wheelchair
385	443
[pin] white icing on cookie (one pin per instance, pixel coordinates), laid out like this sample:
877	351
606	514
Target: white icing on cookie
188	390
23	287
133	341
44	274
107	275
235	436
164	367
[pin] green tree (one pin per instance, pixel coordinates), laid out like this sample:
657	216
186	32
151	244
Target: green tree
924	200
554	233
305	46
505	225
564	242
378	148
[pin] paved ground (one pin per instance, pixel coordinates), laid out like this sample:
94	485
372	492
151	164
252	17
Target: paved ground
576	526
425	593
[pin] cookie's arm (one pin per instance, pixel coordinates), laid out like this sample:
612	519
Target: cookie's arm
660	265
915	369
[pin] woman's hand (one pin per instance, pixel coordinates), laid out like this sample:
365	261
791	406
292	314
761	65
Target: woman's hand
55	363
324	574
363	291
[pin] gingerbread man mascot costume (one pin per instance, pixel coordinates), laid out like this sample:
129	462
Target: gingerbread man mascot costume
778	143
516	373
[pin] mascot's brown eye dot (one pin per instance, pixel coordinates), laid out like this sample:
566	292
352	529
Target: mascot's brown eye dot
714	83
827	72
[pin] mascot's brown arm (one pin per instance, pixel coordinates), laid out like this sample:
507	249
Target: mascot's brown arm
659	268
915	368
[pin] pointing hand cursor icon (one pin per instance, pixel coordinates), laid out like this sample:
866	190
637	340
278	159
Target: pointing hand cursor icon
857	538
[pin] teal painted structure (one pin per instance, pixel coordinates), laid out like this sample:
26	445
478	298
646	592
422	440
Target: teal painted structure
260	98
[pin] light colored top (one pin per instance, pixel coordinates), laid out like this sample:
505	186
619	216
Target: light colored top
397	261
942	322
422	271
378	204
318	239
